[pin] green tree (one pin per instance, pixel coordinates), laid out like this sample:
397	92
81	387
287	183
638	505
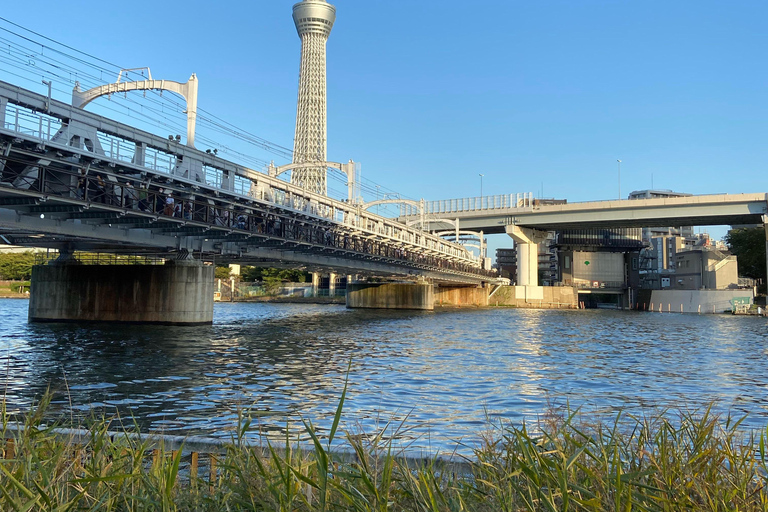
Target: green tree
251	274
221	272
16	266
748	244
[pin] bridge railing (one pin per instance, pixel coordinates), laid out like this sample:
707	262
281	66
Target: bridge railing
151	205
232	183
448	206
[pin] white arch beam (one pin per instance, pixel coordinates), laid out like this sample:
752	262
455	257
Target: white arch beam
348	169
452	222
369	205
187	90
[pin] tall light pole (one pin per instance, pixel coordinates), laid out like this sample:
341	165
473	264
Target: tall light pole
619	161
481	185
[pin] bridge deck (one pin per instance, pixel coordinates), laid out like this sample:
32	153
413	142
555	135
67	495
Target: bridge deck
703	210
57	191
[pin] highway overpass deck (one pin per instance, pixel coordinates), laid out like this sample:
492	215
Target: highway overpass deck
701	210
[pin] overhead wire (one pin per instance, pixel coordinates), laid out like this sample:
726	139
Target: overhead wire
172	118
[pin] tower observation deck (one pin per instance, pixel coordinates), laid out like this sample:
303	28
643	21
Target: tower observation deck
314	21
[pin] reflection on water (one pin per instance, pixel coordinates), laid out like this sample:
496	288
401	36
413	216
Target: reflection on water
447	371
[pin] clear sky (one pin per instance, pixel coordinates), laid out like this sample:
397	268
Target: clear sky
539	96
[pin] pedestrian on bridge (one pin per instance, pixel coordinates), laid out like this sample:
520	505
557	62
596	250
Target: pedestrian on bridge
169	206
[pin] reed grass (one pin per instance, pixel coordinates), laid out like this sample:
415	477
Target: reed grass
668	462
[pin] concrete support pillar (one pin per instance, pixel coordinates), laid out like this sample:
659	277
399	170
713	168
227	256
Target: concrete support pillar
765	226
3	107
458	233
140	154
527	241
315	283
332	284
391	296
177	293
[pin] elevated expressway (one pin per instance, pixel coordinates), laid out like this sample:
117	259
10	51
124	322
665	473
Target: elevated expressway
526	222
72	180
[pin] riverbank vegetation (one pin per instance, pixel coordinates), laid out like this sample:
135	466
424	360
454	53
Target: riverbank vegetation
691	462
748	245
16	266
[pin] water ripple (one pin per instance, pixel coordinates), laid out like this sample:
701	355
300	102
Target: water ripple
447	374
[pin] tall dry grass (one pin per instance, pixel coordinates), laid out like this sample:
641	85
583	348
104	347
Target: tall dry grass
668	462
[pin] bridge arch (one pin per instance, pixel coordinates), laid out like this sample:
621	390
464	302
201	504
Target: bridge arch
349	169
457	233
413	222
187	90
417	204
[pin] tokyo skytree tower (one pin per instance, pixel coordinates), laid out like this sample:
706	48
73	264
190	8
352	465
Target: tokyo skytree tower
314	21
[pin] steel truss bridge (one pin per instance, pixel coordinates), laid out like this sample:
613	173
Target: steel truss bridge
72	180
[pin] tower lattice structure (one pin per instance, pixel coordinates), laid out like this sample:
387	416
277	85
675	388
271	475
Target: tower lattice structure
314	21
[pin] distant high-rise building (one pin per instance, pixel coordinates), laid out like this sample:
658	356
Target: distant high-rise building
314	21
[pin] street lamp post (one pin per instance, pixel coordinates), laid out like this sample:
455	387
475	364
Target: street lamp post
481	190
619	162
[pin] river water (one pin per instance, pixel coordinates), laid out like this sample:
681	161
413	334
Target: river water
444	375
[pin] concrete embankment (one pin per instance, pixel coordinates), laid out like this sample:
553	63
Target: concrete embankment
535	297
14	290
692	301
293	300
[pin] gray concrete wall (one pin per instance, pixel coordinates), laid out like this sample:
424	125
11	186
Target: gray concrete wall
692	301
390	296
461	296
536	297
179	292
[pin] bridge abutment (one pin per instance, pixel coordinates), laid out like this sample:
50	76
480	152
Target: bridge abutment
391	296
177	293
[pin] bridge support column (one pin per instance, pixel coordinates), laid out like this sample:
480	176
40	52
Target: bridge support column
315	284
177	293
391	296
331	284
765	226
140	153
527	241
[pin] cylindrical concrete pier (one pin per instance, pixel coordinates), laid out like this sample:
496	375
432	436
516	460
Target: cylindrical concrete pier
177	293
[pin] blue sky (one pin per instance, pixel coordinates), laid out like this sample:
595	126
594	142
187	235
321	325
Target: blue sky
538	96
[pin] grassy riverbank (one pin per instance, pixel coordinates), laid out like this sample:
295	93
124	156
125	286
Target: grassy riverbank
694	462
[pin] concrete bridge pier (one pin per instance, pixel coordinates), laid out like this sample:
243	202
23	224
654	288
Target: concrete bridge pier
526	241
462	296
391	296
177	293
